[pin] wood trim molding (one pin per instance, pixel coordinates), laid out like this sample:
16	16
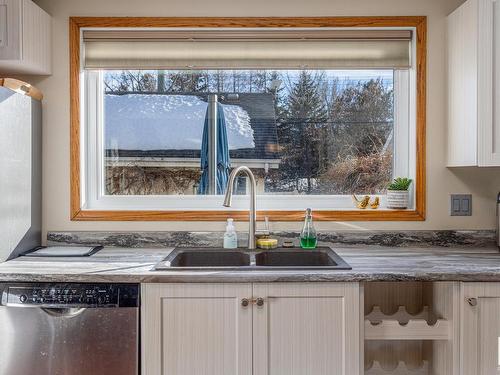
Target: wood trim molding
319	215
74	89
76	23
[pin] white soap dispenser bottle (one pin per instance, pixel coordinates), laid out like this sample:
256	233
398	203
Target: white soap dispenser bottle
230	237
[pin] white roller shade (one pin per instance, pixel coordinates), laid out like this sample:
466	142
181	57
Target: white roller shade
246	50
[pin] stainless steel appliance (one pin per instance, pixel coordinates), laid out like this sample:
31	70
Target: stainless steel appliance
69	329
21	167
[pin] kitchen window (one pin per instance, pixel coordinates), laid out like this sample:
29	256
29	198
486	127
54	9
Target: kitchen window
317	114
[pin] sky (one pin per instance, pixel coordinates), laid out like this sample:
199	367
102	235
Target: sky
361	74
346	77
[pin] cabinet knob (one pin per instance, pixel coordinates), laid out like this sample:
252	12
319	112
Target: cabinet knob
259	302
472	301
245	302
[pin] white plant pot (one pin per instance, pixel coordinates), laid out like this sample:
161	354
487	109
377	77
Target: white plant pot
398	199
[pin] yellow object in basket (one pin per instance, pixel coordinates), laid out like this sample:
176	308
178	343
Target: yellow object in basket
267	243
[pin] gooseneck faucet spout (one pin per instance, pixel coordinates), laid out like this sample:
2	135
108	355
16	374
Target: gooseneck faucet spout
229	195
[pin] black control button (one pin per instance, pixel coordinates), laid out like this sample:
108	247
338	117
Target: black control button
23	298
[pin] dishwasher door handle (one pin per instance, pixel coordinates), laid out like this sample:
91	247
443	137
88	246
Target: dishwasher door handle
63	313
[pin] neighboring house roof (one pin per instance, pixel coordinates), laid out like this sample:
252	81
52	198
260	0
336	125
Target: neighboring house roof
260	107
250	119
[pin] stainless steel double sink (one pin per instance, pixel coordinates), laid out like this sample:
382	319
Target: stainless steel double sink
244	259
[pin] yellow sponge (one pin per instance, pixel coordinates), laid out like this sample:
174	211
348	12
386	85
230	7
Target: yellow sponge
267	243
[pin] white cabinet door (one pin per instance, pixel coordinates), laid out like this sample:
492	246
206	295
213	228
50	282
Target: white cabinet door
480	329
494	143
196	329
474	84
306	328
10	30
25	38
488	83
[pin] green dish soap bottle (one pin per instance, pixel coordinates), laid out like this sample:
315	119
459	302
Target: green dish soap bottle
308	238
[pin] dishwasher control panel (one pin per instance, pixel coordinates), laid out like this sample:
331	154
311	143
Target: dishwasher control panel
69	295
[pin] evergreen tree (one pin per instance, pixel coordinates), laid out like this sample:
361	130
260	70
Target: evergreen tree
300	132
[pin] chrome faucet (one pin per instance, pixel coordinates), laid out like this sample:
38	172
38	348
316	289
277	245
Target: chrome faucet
252	213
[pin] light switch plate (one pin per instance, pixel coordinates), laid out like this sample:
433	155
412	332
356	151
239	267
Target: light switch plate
460	205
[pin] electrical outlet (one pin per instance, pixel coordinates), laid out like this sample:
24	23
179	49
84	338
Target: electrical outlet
460	205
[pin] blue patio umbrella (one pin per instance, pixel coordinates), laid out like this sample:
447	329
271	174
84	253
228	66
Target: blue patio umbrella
223	161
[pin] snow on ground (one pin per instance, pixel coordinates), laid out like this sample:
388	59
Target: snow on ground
167	122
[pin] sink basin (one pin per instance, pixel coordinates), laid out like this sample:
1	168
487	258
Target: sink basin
294	259
244	259
206	258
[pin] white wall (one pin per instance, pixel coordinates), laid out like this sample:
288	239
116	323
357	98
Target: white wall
482	183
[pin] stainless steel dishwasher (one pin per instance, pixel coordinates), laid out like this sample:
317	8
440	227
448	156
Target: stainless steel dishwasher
69	329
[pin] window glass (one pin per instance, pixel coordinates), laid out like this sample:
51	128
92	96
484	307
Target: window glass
316	132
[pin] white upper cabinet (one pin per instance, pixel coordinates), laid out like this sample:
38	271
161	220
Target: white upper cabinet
25	38
474	84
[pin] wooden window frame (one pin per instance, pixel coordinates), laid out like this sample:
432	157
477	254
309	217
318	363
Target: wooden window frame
79	214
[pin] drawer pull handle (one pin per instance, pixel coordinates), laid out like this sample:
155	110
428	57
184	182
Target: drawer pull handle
256	301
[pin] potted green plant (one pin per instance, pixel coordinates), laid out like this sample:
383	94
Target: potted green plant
398	195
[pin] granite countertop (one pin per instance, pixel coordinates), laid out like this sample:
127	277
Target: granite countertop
369	263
